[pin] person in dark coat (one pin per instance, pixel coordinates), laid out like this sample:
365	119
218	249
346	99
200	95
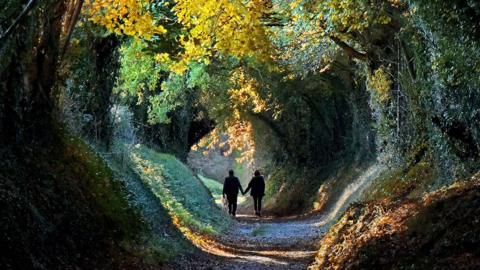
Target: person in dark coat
230	189
257	185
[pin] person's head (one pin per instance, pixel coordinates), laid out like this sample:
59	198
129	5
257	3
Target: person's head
256	173
230	172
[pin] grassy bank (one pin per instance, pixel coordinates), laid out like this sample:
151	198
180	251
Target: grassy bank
216	189
187	201
162	241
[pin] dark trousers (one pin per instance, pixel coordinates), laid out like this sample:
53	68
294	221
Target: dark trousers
257	203
232	204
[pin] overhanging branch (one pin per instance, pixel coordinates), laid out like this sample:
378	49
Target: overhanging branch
349	50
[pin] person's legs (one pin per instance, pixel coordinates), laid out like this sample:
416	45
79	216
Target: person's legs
232	205
229	208
259	204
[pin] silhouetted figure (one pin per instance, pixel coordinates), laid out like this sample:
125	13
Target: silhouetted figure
257	185
230	189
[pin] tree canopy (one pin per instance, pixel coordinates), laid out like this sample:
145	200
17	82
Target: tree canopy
228	52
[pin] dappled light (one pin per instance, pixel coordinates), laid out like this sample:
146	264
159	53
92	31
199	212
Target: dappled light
239	134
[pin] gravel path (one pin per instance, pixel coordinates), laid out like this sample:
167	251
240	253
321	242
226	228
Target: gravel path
265	243
269	243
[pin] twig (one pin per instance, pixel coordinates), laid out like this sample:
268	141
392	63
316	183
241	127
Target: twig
17	20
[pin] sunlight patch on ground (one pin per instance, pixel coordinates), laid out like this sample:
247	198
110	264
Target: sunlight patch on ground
352	191
246	254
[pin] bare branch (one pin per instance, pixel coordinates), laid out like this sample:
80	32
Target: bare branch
70	26
274	24
408	61
349	50
25	10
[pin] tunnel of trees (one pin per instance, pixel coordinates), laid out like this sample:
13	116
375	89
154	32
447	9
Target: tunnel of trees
312	93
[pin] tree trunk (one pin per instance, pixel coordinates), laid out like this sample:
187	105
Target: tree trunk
31	56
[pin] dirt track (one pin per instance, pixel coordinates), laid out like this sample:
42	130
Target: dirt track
265	243
272	243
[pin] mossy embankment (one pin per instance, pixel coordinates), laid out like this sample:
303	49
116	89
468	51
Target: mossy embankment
61	208
292	190
401	227
162	242
407	181
188	202
215	187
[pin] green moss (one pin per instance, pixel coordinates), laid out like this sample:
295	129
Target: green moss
98	184
215	188
109	197
155	249
152	247
410	181
73	192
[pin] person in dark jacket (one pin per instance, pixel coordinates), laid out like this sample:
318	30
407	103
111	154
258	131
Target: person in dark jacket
230	189
257	185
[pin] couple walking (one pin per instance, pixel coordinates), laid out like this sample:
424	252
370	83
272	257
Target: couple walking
232	185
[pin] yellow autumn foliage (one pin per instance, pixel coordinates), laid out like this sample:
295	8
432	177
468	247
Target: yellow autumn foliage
227	27
210	27
240	139
244	95
124	17
380	83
